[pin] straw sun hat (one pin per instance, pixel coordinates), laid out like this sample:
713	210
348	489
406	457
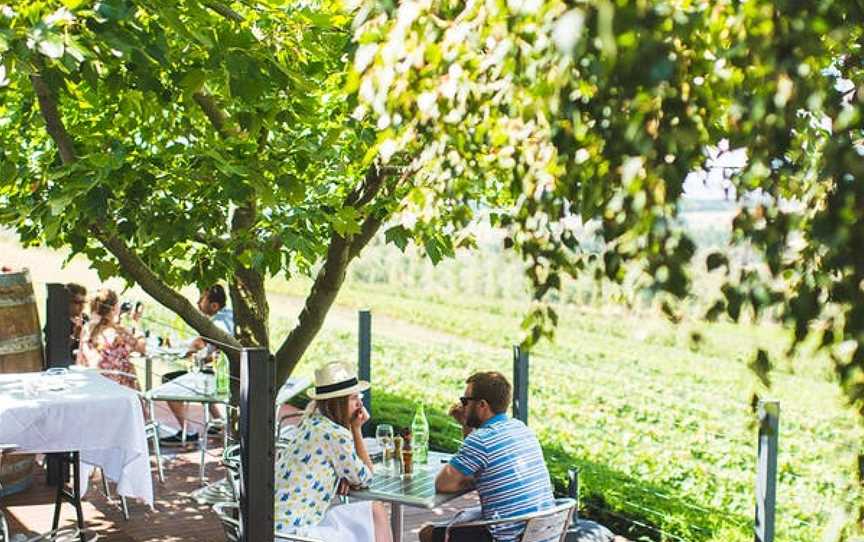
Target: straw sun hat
336	379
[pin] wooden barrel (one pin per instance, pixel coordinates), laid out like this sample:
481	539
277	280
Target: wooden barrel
20	352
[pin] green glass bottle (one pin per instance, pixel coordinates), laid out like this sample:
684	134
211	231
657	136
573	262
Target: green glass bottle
223	375
420	435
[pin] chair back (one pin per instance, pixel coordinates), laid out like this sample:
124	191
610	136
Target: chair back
228	513
550	524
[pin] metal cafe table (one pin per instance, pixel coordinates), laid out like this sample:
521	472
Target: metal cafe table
418	490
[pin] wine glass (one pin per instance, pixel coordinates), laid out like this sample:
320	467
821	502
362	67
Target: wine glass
384	437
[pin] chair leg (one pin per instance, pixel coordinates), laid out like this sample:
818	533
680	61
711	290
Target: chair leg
158	449
105	489
124	507
202	439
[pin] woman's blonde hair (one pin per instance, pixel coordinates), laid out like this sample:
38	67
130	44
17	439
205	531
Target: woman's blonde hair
102	306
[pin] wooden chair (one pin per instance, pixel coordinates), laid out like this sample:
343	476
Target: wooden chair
539	526
228	513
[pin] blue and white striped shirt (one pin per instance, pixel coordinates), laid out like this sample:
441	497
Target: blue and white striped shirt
506	462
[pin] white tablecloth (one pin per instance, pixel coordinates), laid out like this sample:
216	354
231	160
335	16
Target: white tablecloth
92	415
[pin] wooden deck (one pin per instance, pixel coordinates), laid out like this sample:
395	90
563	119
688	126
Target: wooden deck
177	517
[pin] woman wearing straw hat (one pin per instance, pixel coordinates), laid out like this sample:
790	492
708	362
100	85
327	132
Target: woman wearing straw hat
324	456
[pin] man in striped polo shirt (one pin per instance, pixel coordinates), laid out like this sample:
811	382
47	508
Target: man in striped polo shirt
500	457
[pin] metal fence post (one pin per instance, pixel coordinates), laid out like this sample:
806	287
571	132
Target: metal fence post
520	384
58	327
257	444
364	350
766	474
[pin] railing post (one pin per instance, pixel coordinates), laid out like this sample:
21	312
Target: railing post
148	372
573	488
58	327
364	350
257	444
520	384
766	475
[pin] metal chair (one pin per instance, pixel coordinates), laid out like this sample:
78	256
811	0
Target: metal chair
228	513
4	527
539	526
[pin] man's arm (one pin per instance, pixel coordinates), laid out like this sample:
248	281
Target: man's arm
450	480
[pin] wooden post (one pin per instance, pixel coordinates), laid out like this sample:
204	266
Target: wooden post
364	349
58	327
766	473
257	444
520	384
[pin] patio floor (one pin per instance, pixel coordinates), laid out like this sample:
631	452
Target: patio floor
176	517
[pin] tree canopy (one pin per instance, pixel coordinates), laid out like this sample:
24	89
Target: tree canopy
600	109
196	141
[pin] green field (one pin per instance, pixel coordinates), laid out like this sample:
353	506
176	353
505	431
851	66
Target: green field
663	428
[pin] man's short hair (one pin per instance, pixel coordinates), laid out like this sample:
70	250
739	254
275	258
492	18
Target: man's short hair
216	294
492	387
76	289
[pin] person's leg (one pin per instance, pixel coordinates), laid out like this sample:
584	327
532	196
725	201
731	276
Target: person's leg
382	522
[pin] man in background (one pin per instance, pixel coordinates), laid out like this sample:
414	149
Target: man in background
77	302
212	303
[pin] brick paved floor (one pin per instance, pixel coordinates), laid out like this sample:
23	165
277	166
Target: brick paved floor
177	517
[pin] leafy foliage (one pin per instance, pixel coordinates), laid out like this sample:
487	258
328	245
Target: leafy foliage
600	109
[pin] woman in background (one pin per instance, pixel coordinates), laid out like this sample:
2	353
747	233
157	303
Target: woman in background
105	344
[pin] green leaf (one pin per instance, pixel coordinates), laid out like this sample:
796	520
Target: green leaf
51	46
346	221
397	235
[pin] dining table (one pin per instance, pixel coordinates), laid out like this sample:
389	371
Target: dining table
85	415
400	490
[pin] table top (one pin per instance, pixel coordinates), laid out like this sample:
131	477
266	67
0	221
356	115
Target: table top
417	490
79	411
189	388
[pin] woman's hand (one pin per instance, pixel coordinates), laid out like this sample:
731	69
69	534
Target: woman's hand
359	417
344	487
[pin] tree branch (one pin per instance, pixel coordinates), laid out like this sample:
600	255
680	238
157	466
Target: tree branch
150	283
329	280
212	242
53	122
225	11
217	117
129	261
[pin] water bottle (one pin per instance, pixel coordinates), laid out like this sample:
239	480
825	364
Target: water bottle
223	375
420	435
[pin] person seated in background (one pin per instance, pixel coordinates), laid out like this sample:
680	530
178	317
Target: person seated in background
500	457
326	456
105	344
77	302
212	303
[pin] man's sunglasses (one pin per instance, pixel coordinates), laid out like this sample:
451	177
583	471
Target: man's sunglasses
464	400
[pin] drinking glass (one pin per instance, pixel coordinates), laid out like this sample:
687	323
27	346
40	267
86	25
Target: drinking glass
384	437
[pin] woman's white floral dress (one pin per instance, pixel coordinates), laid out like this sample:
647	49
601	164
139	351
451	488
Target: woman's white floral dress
308	472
